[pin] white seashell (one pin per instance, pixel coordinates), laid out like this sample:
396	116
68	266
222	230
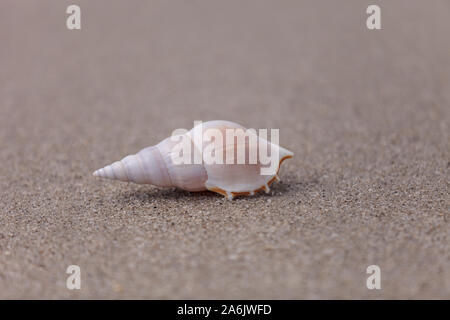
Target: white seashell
155	165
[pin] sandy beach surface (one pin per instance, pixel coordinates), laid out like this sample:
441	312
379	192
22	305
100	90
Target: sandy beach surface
367	114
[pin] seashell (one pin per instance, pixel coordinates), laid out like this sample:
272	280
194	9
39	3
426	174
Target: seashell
207	164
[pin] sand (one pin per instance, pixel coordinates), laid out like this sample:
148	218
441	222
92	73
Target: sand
367	114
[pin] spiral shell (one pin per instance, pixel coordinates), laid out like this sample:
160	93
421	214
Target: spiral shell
157	164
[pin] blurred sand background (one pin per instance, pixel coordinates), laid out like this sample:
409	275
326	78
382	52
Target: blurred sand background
367	114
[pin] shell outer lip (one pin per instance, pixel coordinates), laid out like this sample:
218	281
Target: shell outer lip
231	194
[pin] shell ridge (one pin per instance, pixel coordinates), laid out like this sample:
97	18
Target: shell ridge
141	165
127	172
124	168
164	164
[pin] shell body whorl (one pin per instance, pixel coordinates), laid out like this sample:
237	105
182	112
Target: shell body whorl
190	177
155	165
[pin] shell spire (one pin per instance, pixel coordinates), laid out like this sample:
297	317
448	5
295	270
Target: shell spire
145	167
115	171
